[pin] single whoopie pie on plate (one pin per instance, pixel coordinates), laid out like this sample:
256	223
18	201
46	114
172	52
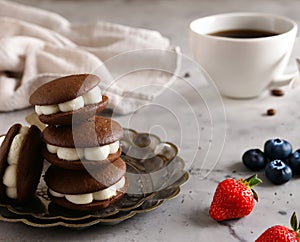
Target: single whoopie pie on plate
68	99
87	190
89	143
21	163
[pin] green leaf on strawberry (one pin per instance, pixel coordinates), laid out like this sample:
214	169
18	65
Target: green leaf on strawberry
294	222
253	181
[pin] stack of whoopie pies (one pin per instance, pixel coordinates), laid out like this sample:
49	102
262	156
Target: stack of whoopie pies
86	171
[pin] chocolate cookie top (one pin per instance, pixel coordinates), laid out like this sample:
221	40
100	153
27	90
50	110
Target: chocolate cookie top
91	133
29	164
74	182
63	89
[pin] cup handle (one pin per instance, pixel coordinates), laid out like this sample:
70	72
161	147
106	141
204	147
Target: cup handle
285	80
289	79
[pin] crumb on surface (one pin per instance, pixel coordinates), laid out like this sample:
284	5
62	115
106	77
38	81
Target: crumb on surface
186	75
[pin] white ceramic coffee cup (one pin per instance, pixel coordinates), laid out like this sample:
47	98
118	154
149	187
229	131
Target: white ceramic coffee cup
243	68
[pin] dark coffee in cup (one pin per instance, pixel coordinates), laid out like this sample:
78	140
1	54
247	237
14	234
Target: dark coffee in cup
243	33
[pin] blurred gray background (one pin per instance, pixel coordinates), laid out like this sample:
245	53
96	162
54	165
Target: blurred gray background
152	13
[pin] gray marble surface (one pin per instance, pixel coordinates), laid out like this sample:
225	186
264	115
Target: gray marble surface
186	217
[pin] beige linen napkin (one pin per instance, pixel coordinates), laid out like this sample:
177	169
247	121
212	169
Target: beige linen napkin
37	46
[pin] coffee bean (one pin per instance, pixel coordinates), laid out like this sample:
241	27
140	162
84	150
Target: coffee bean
277	92
271	112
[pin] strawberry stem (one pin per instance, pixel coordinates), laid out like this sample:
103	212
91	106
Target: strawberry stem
252	181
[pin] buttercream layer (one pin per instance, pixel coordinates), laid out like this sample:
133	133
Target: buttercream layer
92	153
77	116
79	164
94	205
87	198
93	96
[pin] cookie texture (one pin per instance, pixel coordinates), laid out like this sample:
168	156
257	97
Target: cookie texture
63	89
74	182
96	131
95	205
79	164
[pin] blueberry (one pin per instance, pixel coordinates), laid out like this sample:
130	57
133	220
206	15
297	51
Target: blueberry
277	149
278	172
254	159
294	162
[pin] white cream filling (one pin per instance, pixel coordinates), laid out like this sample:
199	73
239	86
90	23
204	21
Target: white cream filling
97	153
11	192
69	153
94	153
91	97
10	174
71	105
90	197
46	109
2	139
52	148
80	199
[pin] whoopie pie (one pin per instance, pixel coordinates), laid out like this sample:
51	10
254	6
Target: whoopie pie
69	99
86	144
87	190
21	163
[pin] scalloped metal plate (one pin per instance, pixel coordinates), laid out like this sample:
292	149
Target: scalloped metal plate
158	175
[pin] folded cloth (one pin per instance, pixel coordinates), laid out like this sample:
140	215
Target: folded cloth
37	46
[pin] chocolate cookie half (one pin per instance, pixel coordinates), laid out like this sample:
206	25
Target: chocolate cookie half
81	190
68	99
89	143
21	163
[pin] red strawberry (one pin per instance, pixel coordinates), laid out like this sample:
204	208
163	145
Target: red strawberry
279	233
233	198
